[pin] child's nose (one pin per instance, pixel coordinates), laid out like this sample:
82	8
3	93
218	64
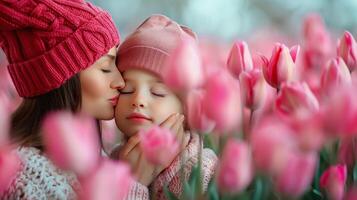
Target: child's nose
139	100
136	104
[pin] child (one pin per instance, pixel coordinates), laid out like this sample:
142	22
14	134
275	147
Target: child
146	100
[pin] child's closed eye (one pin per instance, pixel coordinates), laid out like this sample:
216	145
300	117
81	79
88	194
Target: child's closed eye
127	90
158	94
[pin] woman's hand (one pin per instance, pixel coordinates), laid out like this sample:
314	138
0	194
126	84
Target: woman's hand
142	169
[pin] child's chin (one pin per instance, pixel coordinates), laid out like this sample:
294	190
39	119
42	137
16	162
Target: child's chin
136	130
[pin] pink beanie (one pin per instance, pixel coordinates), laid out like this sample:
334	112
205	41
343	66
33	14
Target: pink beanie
48	41
151	43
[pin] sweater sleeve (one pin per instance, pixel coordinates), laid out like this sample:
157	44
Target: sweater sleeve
38	178
138	192
172	175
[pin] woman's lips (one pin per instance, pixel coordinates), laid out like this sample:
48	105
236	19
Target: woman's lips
138	117
114	100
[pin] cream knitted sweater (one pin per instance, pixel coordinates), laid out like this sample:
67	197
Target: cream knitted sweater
40	179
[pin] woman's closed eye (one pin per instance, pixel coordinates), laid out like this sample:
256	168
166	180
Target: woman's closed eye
106	70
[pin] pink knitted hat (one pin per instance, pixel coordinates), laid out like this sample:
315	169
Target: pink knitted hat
151	43
48	41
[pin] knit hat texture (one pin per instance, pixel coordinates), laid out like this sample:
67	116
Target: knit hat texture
48	41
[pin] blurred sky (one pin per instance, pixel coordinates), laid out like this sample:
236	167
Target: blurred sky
229	20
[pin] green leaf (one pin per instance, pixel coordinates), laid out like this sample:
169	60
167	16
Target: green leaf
355	173
208	142
212	191
188	192
169	195
258	192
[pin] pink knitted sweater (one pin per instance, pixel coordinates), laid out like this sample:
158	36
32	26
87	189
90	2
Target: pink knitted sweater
188	159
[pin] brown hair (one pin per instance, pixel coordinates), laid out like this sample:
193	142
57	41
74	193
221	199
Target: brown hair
26	120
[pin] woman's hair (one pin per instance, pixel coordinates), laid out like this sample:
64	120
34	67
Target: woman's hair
26	121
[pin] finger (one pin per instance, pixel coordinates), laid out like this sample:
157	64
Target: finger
170	121
177	129
130	145
133	158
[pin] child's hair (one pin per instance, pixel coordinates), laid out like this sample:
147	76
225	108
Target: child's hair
151	43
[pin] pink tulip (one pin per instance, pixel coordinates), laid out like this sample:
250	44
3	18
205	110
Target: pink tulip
239	59
110	135
308	130
196	118
184	67
352	193
253	88
159	145
222	101
281	66
333	180
9	165
297	173
347	49
339	112
317	42
235	170
111	181
270	140
335	74
296	96
347	151
71	142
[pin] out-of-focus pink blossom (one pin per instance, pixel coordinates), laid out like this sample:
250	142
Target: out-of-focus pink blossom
270	141
339	112
196	117
9	165
347	151
296	96
253	88
347	49
281	66
111	180
110	135
308	130
297	173
333	180
317	42
351	194
334	75
222	102
71	142
158	144
184	67
239	59
235	171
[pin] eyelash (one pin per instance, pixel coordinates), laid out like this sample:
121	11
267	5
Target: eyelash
121	92
106	70
155	94
158	95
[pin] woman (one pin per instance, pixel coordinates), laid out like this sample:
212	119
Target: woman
61	57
